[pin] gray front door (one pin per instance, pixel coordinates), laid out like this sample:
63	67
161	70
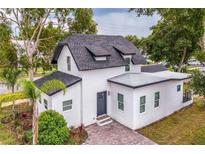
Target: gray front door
101	103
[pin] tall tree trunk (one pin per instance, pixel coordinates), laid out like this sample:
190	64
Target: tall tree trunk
30	70
182	60
35	123
13	105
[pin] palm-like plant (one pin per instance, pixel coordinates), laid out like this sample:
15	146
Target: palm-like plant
10	76
33	93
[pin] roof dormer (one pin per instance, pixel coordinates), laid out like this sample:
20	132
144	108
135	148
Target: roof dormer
124	51
98	52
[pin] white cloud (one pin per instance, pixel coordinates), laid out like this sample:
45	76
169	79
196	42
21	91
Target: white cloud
124	23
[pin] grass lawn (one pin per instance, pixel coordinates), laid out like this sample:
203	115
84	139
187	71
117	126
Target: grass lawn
184	127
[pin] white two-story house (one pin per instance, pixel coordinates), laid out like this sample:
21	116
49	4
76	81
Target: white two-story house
106	78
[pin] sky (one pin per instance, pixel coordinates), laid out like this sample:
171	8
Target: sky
121	22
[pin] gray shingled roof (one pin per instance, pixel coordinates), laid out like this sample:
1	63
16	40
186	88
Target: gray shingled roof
67	79
85	61
98	51
153	68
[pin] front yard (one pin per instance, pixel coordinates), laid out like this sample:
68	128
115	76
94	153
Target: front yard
19	131
184	127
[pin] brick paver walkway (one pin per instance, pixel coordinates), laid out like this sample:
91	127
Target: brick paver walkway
114	133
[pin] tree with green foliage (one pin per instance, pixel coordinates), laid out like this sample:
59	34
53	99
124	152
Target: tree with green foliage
198	83
7	49
176	36
83	22
10	76
53	128
41	28
200	56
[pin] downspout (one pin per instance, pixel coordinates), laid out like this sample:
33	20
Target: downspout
81	103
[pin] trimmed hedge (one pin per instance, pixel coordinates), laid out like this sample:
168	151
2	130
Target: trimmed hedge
12	97
52	128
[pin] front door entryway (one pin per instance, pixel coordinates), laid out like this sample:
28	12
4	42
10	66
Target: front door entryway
101	103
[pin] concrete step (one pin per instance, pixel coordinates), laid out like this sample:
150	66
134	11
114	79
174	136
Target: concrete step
104	120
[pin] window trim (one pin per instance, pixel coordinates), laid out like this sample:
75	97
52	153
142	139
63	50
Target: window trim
127	67
63	106
144	104
68	63
156	99
120	102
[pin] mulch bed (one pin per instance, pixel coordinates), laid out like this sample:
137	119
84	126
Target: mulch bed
78	135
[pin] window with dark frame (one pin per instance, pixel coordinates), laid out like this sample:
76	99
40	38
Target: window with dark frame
67	105
178	88
45	104
142	104
68	63
156	99
120	100
127	67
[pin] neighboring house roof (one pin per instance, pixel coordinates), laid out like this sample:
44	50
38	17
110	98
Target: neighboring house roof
67	79
137	80
83	47
153	68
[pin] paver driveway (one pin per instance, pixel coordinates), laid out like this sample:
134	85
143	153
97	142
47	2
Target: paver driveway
114	133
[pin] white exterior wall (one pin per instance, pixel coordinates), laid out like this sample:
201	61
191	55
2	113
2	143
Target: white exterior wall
170	101
41	107
124	117
95	81
73	116
62	62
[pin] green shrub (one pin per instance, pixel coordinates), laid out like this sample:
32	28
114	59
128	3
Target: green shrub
28	136
199	136
52	128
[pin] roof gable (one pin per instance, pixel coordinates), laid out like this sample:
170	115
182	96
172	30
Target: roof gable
84	47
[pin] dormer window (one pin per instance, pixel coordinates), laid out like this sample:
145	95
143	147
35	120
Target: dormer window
127	66
68	63
100	58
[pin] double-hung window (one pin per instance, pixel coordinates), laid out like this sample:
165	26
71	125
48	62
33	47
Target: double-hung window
120	100
68	63
67	105
156	99
142	104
